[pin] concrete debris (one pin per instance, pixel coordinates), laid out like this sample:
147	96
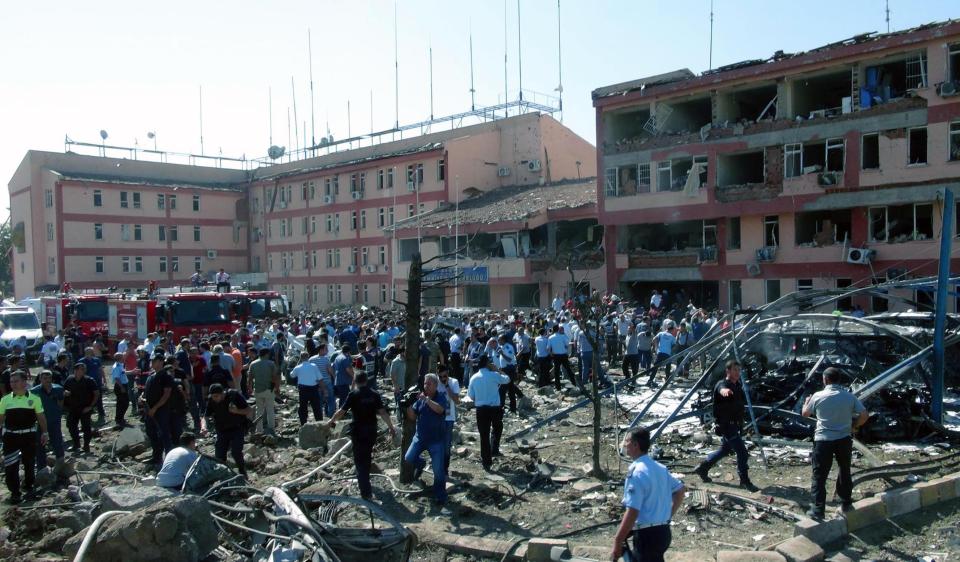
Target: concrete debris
132	498
313	435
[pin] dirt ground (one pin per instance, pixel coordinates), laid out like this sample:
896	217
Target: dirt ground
520	499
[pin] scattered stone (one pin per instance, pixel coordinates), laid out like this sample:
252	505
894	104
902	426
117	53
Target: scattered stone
91	489
586	486
178	528
131	498
525	403
544	550
44	478
463	451
34	520
744	556
546	391
313	435
128	438
54	540
800	549
337	444
270	440
73	520
455	437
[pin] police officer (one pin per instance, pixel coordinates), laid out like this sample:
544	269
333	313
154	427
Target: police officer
229	412
20	413
651	495
728	407
364	404
838	413
484	390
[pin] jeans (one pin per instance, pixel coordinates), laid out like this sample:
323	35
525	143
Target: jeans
489	418
586	366
731	442
644	356
232	439
437	458
651	543
265	410
309	397
83	420
630	363
158	430
448	441
822	458
613	348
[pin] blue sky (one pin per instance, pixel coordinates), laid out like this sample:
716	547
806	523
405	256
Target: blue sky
75	68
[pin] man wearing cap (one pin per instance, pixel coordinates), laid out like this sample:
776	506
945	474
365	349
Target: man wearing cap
230	416
80	397
364	404
20	413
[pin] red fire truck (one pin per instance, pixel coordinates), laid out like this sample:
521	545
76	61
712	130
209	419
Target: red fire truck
136	317
181	313
256	305
86	312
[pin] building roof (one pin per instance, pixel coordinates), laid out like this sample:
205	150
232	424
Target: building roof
511	203
723	72
148	182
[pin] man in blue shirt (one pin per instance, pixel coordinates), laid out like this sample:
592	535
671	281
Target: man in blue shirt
652	496
120	382
342	375
51	396
559	351
664	344
95	372
177	462
430	411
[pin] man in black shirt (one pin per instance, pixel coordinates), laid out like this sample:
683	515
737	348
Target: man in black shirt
179	398
216	374
364	404
156	394
80	397
728	406
229	412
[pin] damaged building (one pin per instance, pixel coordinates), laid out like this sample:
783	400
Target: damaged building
815	170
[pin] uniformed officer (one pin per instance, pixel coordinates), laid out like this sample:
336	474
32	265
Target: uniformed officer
364	404
838	413
20	413
728	407
651	495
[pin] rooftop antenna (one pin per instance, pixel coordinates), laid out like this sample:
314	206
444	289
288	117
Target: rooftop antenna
431	81
506	110
201	121
519	51
711	35
888	16
559	62
371	116
473	92
396	70
289	142
296	131
313	136
269	113
349	130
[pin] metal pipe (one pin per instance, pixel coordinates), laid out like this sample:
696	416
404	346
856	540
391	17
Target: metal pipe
92	533
308	476
940	317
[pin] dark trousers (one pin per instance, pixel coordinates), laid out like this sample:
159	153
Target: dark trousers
178	421
232	439
823	454
158	431
511	388
613	348
523	364
651	543
543	371
662	359
363	458
630	363
456	367
309	397
731	442
100	411
54	441
197	405
123	402
225	286
75	419
489	418
562	362
17	448
644	356
341	391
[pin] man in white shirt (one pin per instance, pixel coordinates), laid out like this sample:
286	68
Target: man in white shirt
560	353
456	357
542	344
557	304
223	280
49	351
507	361
451	387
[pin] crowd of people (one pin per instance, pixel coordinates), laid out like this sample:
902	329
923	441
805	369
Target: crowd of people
229	384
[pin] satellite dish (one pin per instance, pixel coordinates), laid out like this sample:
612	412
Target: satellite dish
103	134
275	151
151	135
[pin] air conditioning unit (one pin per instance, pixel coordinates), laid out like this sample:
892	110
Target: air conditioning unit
283	205
371	269
503	171
351	269
328	199
861	256
211	254
534	165
753	269
949	89
357	195
411	186
386	267
767	253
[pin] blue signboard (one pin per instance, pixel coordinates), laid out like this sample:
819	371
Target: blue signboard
475	274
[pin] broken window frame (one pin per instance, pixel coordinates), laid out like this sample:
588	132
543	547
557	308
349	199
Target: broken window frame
610	180
953	62
841	228
871	220
953	141
705	160
918	61
926	147
708	227
643	178
771	231
804	284
792	160
664	166
735	294
768	293
734	242
914	230
834	144
863	143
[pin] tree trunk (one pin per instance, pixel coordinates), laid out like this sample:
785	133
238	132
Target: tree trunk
411	358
